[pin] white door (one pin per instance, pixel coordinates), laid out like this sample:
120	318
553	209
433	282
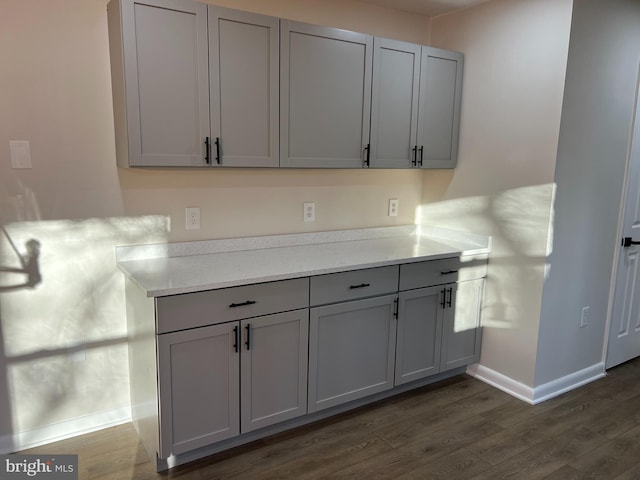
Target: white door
624	331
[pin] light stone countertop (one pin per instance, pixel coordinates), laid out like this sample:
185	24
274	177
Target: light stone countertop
171	269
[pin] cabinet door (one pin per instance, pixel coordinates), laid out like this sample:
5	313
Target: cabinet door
420	314
439	110
274	368
199	387
461	332
325	96
243	56
351	351
394	103
164	45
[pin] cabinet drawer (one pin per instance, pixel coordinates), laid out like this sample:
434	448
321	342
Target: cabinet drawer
338	287
438	272
179	312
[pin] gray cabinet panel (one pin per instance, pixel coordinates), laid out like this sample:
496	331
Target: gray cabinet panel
394	104
461	333
274	369
243	55
351	351
420	314
439	272
179	312
164	85
339	287
439	111
199	388
325	85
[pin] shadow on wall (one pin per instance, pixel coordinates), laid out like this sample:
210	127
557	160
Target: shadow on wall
520	224
63	338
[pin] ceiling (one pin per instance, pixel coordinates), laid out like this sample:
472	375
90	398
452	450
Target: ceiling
430	8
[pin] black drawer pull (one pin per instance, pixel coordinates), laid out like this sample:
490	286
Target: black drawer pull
449	272
243	304
362	285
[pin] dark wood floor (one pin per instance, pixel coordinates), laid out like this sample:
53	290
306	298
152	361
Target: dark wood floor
456	429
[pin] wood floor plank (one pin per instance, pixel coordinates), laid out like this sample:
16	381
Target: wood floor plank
459	428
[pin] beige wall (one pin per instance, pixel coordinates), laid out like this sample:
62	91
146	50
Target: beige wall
515	63
55	91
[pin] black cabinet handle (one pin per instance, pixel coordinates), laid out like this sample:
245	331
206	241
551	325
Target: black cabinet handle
395	308
628	241
243	304
414	162
450	290
367	156
236	331
448	272
421	152
207	148
443	303
218	150
248	342
362	285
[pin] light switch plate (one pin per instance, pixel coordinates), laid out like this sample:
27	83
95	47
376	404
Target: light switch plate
20	154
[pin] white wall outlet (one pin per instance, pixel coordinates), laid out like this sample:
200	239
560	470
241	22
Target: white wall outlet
585	316
393	207
20	154
309	211
193	218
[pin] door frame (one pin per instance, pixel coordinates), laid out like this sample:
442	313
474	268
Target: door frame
621	213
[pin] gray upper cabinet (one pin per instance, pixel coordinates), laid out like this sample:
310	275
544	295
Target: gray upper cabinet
439	110
415	105
325	96
243	66
160	81
394	103
197	85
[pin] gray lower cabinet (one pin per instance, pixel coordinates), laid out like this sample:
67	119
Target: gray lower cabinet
461	332
351	350
219	381
325	96
420	318
273	369
199	388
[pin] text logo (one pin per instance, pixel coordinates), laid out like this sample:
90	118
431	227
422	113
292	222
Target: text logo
50	467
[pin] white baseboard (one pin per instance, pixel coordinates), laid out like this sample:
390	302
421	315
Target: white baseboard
542	392
568	382
502	382
63	430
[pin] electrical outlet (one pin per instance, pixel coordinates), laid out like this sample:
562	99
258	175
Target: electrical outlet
192	218
393	207
585	316
309	211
